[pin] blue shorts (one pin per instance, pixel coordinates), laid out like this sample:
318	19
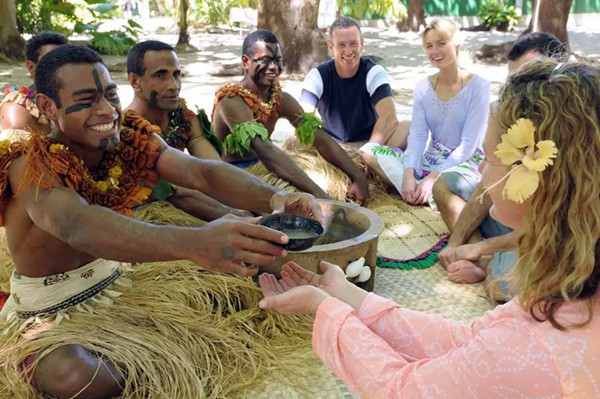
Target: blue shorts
464	185
502	264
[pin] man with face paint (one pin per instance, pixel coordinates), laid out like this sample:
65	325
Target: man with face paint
477	239
258	98
67	229
17	108
154	73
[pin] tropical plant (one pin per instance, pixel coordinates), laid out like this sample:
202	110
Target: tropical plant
82	17
500	16
361	9
216	12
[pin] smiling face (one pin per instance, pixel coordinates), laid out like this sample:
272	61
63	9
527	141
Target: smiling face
346	45
440	49
265	65
90	110
160	84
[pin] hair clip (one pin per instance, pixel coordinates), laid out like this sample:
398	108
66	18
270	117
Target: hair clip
556	68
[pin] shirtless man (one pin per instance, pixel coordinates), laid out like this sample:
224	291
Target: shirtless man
258	97
18	109
52	229
466	213
154	73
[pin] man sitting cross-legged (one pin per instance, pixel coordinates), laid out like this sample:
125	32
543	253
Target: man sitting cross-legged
79	324
17	109
258	99
154	73
475	235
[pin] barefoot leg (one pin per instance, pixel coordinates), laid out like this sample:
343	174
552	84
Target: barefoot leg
72	371
463	271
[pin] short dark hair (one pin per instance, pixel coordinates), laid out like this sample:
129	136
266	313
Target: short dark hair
135	57
546	44
46	73
260	35
344	22
33	45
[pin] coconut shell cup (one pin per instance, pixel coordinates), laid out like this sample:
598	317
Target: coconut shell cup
302	232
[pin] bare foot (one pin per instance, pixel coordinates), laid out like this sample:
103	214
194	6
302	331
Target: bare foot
465	272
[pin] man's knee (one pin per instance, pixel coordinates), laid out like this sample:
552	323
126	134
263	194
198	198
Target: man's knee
66	371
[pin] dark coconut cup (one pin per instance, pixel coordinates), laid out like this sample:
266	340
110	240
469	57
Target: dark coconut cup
302	232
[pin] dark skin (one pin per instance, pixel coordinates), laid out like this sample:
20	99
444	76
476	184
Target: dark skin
260	74
156	94
54	231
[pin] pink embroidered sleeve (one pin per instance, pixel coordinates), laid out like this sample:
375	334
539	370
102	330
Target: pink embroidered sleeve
500	361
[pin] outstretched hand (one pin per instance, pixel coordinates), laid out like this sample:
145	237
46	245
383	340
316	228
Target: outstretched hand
333	280
288	298
302	204
229	243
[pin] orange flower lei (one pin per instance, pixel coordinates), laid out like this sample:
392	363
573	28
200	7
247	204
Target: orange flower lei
263	111
116	182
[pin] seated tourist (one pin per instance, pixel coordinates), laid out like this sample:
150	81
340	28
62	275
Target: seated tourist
465	209
17	108
245	115
79	324
544	183
154	73
448	123
352	93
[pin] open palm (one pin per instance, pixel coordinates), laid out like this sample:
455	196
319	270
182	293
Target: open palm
288	298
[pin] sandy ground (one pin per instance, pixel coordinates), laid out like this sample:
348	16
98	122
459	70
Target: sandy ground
400	53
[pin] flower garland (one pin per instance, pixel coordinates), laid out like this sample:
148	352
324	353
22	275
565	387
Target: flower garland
26	97
263	111
180	127
518	150
114	184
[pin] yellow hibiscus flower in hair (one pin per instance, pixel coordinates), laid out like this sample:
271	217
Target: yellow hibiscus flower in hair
518	148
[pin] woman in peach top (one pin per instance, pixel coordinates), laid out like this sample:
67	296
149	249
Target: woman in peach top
544	343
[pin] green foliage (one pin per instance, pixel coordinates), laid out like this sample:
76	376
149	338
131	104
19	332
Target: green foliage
502	17
309	124
34	16
361	9
82	17
216	12
240	139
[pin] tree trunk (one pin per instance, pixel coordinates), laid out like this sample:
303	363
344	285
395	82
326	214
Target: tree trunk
416	17
294	22
11	42
182	23
550	16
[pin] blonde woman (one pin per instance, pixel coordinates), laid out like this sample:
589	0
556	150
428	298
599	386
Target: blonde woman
450	112
543	175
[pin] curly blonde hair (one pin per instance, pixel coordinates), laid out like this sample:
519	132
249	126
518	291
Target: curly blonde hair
559	252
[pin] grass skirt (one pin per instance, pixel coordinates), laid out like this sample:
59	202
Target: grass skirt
174	332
